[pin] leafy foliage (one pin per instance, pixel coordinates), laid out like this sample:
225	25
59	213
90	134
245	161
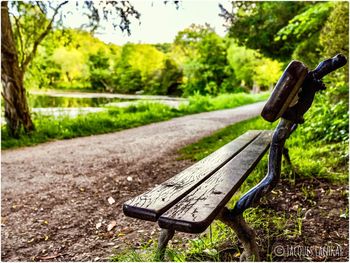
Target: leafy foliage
99	71
305	24
255	24
330	122
330	114
303	32
205	67
252	68
334	37
198	61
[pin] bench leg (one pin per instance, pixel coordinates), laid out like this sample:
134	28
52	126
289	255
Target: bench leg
285	153
245	234
165	236
287	158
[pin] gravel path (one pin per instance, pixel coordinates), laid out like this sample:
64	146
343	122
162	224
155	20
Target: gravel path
55	195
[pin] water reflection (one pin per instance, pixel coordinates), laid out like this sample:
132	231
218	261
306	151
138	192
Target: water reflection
44	101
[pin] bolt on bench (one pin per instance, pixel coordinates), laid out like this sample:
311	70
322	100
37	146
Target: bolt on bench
192	199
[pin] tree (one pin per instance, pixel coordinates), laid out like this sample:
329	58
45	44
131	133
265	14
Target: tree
20	41
255	25
166	80
330	113
334	37
303	32
12	73
205	65
72	58
243	62
139	60
99	70
251	67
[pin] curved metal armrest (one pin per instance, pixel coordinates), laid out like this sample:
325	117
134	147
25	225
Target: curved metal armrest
251	198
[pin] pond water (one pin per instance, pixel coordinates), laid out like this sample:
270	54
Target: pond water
44	101
73	104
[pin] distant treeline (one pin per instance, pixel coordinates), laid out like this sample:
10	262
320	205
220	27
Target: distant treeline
262	39
198	61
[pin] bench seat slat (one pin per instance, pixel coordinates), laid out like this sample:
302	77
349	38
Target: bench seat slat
195	212
150	205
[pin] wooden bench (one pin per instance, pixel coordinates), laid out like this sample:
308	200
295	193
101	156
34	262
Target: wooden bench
192	199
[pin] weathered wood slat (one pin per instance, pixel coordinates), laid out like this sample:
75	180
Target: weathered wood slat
150	205
195	212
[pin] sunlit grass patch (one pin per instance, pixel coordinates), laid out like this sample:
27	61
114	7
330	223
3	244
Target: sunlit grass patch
200	103
64	127
207	145
318	158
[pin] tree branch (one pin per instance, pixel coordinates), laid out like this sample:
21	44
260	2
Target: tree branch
40	6
41	37
21	51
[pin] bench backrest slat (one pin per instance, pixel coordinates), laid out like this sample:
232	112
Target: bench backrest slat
150	205
195	212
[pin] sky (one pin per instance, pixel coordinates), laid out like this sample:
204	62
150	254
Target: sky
160	22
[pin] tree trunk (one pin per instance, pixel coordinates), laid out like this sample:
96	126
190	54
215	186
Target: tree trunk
256	88
16	106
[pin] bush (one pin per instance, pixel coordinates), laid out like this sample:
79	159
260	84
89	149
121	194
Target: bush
328	121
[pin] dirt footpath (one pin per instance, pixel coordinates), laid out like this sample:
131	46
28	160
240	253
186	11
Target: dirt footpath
59	199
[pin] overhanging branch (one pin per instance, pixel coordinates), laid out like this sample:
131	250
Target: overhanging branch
41	37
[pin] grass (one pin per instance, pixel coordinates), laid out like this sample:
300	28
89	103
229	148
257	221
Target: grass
207	145
116	119
199	103
310	159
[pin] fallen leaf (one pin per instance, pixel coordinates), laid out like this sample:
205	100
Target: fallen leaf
295	207
3	220
48	257
210	251
111	200
111	225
